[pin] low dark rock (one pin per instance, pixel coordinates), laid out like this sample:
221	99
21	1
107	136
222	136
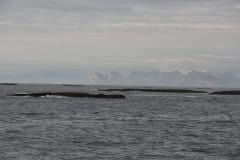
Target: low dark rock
8	84
72	94
237	92
72	85
155	90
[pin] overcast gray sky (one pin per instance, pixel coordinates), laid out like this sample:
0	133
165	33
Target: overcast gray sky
94	35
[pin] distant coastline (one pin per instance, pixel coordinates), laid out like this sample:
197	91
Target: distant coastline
155	90
9	84
235	92
71	94
72	85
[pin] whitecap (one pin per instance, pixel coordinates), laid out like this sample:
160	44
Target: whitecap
53	96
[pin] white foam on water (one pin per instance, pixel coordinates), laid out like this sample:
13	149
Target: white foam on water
53	96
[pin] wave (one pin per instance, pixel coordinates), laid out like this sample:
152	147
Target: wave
52	96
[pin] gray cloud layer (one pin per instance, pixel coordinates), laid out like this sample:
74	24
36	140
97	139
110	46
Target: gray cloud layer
120	35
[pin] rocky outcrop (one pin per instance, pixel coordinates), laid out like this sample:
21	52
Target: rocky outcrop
72	94
8	84
72	85
155	90
236	92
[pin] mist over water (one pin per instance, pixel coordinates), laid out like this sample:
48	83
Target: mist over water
170	78
143	126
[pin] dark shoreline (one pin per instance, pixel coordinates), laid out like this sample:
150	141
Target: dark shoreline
72	85
237	92
8	84
72	94
154	90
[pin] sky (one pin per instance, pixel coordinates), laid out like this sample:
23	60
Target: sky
71	38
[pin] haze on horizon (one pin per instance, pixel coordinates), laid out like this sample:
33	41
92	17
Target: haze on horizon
68	40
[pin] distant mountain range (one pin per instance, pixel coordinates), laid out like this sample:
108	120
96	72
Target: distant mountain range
174	78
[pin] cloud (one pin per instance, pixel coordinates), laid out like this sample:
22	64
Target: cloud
111	13
121	35
237	6
170	25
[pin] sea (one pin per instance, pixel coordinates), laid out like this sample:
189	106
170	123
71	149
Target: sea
144	126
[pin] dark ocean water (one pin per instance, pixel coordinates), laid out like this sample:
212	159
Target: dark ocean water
145	126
